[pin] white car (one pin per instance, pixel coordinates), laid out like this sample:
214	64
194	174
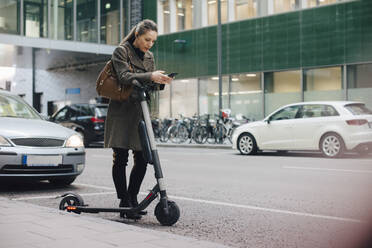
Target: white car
332	127
33	148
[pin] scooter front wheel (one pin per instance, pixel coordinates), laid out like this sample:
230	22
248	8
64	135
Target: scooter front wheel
71	200
171	218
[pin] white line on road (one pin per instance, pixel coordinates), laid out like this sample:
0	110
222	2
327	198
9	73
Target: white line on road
57	196
326	169
226	204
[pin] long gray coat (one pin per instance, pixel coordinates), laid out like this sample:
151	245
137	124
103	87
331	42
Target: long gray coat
121	128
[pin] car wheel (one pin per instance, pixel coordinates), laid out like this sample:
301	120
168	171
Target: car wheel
64	181
247	144
332	145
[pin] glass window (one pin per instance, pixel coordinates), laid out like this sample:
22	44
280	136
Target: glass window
285	114
62	20
110	22
9	16
208	95
323	84
360	83
285	5
246	95
314	3
245	9
36	18
184	14
316	110
86	20
164	102
61	115
282	88
358	109
15	107
184	97
213	12
101	111
166	16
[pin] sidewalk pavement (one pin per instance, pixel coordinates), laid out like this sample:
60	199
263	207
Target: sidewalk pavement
24	225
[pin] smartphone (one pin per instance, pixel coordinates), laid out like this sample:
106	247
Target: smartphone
173	74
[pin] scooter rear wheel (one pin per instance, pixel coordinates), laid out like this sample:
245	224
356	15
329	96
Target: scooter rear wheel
71	200
171	218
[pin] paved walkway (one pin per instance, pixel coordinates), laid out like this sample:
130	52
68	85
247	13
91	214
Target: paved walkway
23	225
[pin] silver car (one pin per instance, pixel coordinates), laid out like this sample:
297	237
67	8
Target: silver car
31	147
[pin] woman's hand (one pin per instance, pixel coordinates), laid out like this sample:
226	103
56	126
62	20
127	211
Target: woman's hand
160	78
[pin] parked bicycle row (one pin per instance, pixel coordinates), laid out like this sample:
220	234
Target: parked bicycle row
201	129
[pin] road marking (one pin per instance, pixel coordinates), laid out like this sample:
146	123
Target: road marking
93	186
58	196
101	156
226	204
326	169
269	209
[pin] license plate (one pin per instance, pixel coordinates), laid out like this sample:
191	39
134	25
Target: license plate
39	160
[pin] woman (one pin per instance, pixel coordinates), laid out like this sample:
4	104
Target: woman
131	60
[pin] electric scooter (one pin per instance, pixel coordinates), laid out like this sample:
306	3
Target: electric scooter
166	211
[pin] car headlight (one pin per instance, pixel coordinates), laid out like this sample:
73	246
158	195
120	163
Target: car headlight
4	142
74	141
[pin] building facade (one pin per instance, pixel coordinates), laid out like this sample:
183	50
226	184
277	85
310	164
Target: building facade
274	52
52	50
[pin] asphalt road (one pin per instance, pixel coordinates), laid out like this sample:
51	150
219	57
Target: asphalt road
268	200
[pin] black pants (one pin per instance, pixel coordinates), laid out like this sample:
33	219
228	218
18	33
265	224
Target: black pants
120	161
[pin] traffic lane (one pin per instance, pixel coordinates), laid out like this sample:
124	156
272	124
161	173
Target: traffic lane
262	181
237	226
279	183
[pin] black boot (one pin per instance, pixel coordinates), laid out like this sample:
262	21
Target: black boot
126	202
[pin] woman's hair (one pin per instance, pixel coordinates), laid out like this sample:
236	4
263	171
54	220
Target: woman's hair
141	28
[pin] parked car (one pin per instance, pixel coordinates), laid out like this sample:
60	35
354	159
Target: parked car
331	127
31	147
86	119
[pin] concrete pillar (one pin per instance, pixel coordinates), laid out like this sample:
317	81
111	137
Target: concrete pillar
160	15
173	16
231	10
270	7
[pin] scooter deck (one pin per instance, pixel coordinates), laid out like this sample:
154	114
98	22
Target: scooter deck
86	209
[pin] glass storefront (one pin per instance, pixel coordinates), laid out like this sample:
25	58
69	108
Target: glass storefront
61	20
282	88
86	20
286	5
35	18
314	3
213	12
184	98
246	95
9	14
208	95
184	14
245	9
110	22
166	16
360	83
323	84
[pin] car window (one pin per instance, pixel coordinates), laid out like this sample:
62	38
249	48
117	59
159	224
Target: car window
61	115
86	110
358	109
285	114
13	107
316	110
101	111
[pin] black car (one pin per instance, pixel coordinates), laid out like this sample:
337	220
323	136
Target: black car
86	119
